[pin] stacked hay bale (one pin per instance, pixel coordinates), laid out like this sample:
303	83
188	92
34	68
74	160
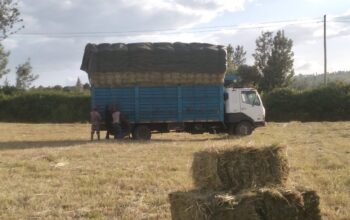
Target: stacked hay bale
153	64
243	184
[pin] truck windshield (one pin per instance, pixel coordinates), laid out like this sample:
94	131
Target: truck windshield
250	97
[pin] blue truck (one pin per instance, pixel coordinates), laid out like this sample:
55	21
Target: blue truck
194	109
162	87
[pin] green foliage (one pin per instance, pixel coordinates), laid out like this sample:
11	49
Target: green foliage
248	76
44	106
303	82
79	85
238	56
331	103
3	61
230	66
263	50
25	77
9	18
235	58
279	69
274	60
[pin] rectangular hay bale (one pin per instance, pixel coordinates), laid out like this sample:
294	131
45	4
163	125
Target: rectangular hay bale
262	204
240	168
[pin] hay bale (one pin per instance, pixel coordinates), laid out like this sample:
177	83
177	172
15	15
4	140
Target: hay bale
155	57
195	205
240	168
123	79
189	205
262	204
311	205
277	204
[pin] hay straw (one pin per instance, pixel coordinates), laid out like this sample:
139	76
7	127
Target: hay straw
263	204
240	168
123	79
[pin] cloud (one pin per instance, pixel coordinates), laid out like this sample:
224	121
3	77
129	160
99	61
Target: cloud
57	58
122	15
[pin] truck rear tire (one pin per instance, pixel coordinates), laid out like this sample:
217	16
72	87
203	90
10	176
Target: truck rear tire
231	129
244	128
142	132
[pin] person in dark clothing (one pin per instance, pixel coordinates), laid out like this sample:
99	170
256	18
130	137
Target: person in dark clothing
109	120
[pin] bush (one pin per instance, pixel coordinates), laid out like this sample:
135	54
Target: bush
48	106
330	103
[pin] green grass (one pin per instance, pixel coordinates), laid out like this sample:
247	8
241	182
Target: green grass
51	171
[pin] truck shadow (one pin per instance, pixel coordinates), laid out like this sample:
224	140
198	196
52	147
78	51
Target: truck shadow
18	145
194	140
13	145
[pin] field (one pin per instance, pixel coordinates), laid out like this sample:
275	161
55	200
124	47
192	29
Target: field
52	171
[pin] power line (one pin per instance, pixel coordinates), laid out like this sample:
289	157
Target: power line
339	21
171	30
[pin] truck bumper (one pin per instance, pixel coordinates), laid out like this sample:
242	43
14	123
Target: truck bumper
260	124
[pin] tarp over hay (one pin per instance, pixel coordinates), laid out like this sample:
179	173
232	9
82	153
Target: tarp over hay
259	204
240	168
154	64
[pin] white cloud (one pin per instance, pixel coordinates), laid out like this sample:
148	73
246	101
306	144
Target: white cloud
57	59
10	44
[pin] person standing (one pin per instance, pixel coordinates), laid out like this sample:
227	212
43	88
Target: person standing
116	124
95	119
109	120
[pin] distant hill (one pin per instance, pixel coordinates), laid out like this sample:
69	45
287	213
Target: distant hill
313	81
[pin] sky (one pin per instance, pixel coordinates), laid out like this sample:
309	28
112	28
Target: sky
56	32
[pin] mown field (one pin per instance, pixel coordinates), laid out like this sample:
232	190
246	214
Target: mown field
52	171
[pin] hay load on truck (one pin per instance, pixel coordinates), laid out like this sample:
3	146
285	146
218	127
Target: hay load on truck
162	87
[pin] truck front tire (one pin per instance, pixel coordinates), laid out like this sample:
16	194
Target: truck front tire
244	128
142	132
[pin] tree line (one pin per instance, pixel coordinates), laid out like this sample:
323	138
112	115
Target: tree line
273	62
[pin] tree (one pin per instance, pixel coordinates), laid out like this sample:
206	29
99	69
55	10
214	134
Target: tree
9	18
263	51
248	76
279	69
230	66
78	85
25	77
6	83
86	86
3	61
238	56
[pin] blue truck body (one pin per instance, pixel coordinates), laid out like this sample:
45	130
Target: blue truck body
168	104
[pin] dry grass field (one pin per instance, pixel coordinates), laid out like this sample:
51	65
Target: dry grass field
51	171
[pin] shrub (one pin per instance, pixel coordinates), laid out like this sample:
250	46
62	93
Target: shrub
45	107
330	103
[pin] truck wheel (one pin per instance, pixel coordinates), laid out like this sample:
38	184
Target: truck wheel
244	128
231	129
142	132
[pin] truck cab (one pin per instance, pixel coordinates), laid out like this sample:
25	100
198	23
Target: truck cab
244	110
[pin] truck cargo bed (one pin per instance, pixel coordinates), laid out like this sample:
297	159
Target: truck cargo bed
163	104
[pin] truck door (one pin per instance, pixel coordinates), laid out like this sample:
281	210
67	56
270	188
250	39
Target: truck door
251	105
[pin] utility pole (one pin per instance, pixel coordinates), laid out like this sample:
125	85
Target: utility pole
325	48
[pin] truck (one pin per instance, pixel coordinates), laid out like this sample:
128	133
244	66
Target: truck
194	109
175	94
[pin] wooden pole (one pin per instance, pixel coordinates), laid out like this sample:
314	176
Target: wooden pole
325	49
